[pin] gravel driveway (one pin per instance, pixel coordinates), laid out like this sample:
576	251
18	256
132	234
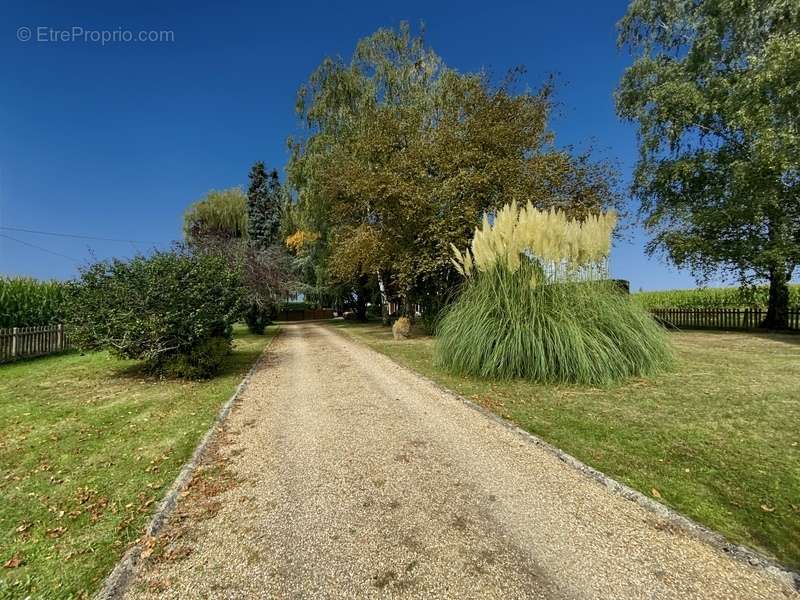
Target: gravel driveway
347	476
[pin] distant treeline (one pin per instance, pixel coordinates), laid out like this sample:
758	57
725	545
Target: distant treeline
27	302
723	297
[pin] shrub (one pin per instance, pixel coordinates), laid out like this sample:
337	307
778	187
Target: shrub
401	328
375	312
26	302
257	318
573	332
161	309
537	305
201	362
287	306
433	309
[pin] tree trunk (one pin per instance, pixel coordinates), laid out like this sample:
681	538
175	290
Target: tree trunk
384	300
778	307
361	298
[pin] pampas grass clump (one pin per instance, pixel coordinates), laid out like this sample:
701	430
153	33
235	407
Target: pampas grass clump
401	328
537	305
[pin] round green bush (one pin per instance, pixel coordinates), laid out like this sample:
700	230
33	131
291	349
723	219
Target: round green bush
169	309
511	325
257	318
201	362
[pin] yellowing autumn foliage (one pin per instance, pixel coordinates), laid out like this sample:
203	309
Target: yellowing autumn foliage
301	238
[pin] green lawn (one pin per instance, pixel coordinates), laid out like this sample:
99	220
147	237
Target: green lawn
718	439
88	446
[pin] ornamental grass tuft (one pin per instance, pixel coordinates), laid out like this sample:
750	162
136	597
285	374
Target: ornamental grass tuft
552	319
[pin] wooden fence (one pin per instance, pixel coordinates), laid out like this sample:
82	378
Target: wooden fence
306	314
718	318
22	342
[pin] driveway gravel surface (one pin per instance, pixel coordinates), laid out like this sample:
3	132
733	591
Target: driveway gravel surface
356	478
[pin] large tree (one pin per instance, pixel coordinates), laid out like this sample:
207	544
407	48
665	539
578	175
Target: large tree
715	92
403	155
219	216
264	200
219	225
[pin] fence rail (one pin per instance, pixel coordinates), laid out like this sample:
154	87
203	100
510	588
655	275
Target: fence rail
719	318
305	314
23	342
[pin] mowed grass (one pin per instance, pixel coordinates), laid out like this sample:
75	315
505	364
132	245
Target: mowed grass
718	438
88	446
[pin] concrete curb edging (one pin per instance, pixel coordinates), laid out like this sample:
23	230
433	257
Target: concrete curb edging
738	552
118	580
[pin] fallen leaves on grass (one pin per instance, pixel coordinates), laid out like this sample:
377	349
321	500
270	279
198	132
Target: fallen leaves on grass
12	563
125	523
56	532
73	553
197	502
655	493
90	501
24	527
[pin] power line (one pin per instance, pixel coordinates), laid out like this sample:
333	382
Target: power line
74	235
8	237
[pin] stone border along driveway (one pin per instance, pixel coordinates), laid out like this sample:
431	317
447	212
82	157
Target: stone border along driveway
693	528
116	584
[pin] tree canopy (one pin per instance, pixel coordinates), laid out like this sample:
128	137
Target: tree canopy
715	93
220	225
264	200
220	215
402	156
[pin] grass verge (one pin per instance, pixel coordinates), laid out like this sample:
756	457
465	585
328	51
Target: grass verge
88	446
716	439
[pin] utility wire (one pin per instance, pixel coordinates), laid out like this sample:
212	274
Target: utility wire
8	237
73	235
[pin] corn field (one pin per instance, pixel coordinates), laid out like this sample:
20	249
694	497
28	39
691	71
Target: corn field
26	302
723	297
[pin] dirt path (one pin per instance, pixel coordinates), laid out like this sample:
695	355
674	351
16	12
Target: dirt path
342	475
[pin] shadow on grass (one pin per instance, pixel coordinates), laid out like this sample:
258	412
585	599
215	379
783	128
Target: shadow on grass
242	360
792	338
40	357
235	362
787	337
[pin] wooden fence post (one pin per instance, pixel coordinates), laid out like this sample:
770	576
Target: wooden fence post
719	318
14	342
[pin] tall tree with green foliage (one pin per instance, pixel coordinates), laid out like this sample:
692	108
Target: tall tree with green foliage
402	155
220	215
715	93
220	225
264	202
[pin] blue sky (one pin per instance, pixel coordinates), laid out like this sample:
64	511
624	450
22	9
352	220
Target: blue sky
115	140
